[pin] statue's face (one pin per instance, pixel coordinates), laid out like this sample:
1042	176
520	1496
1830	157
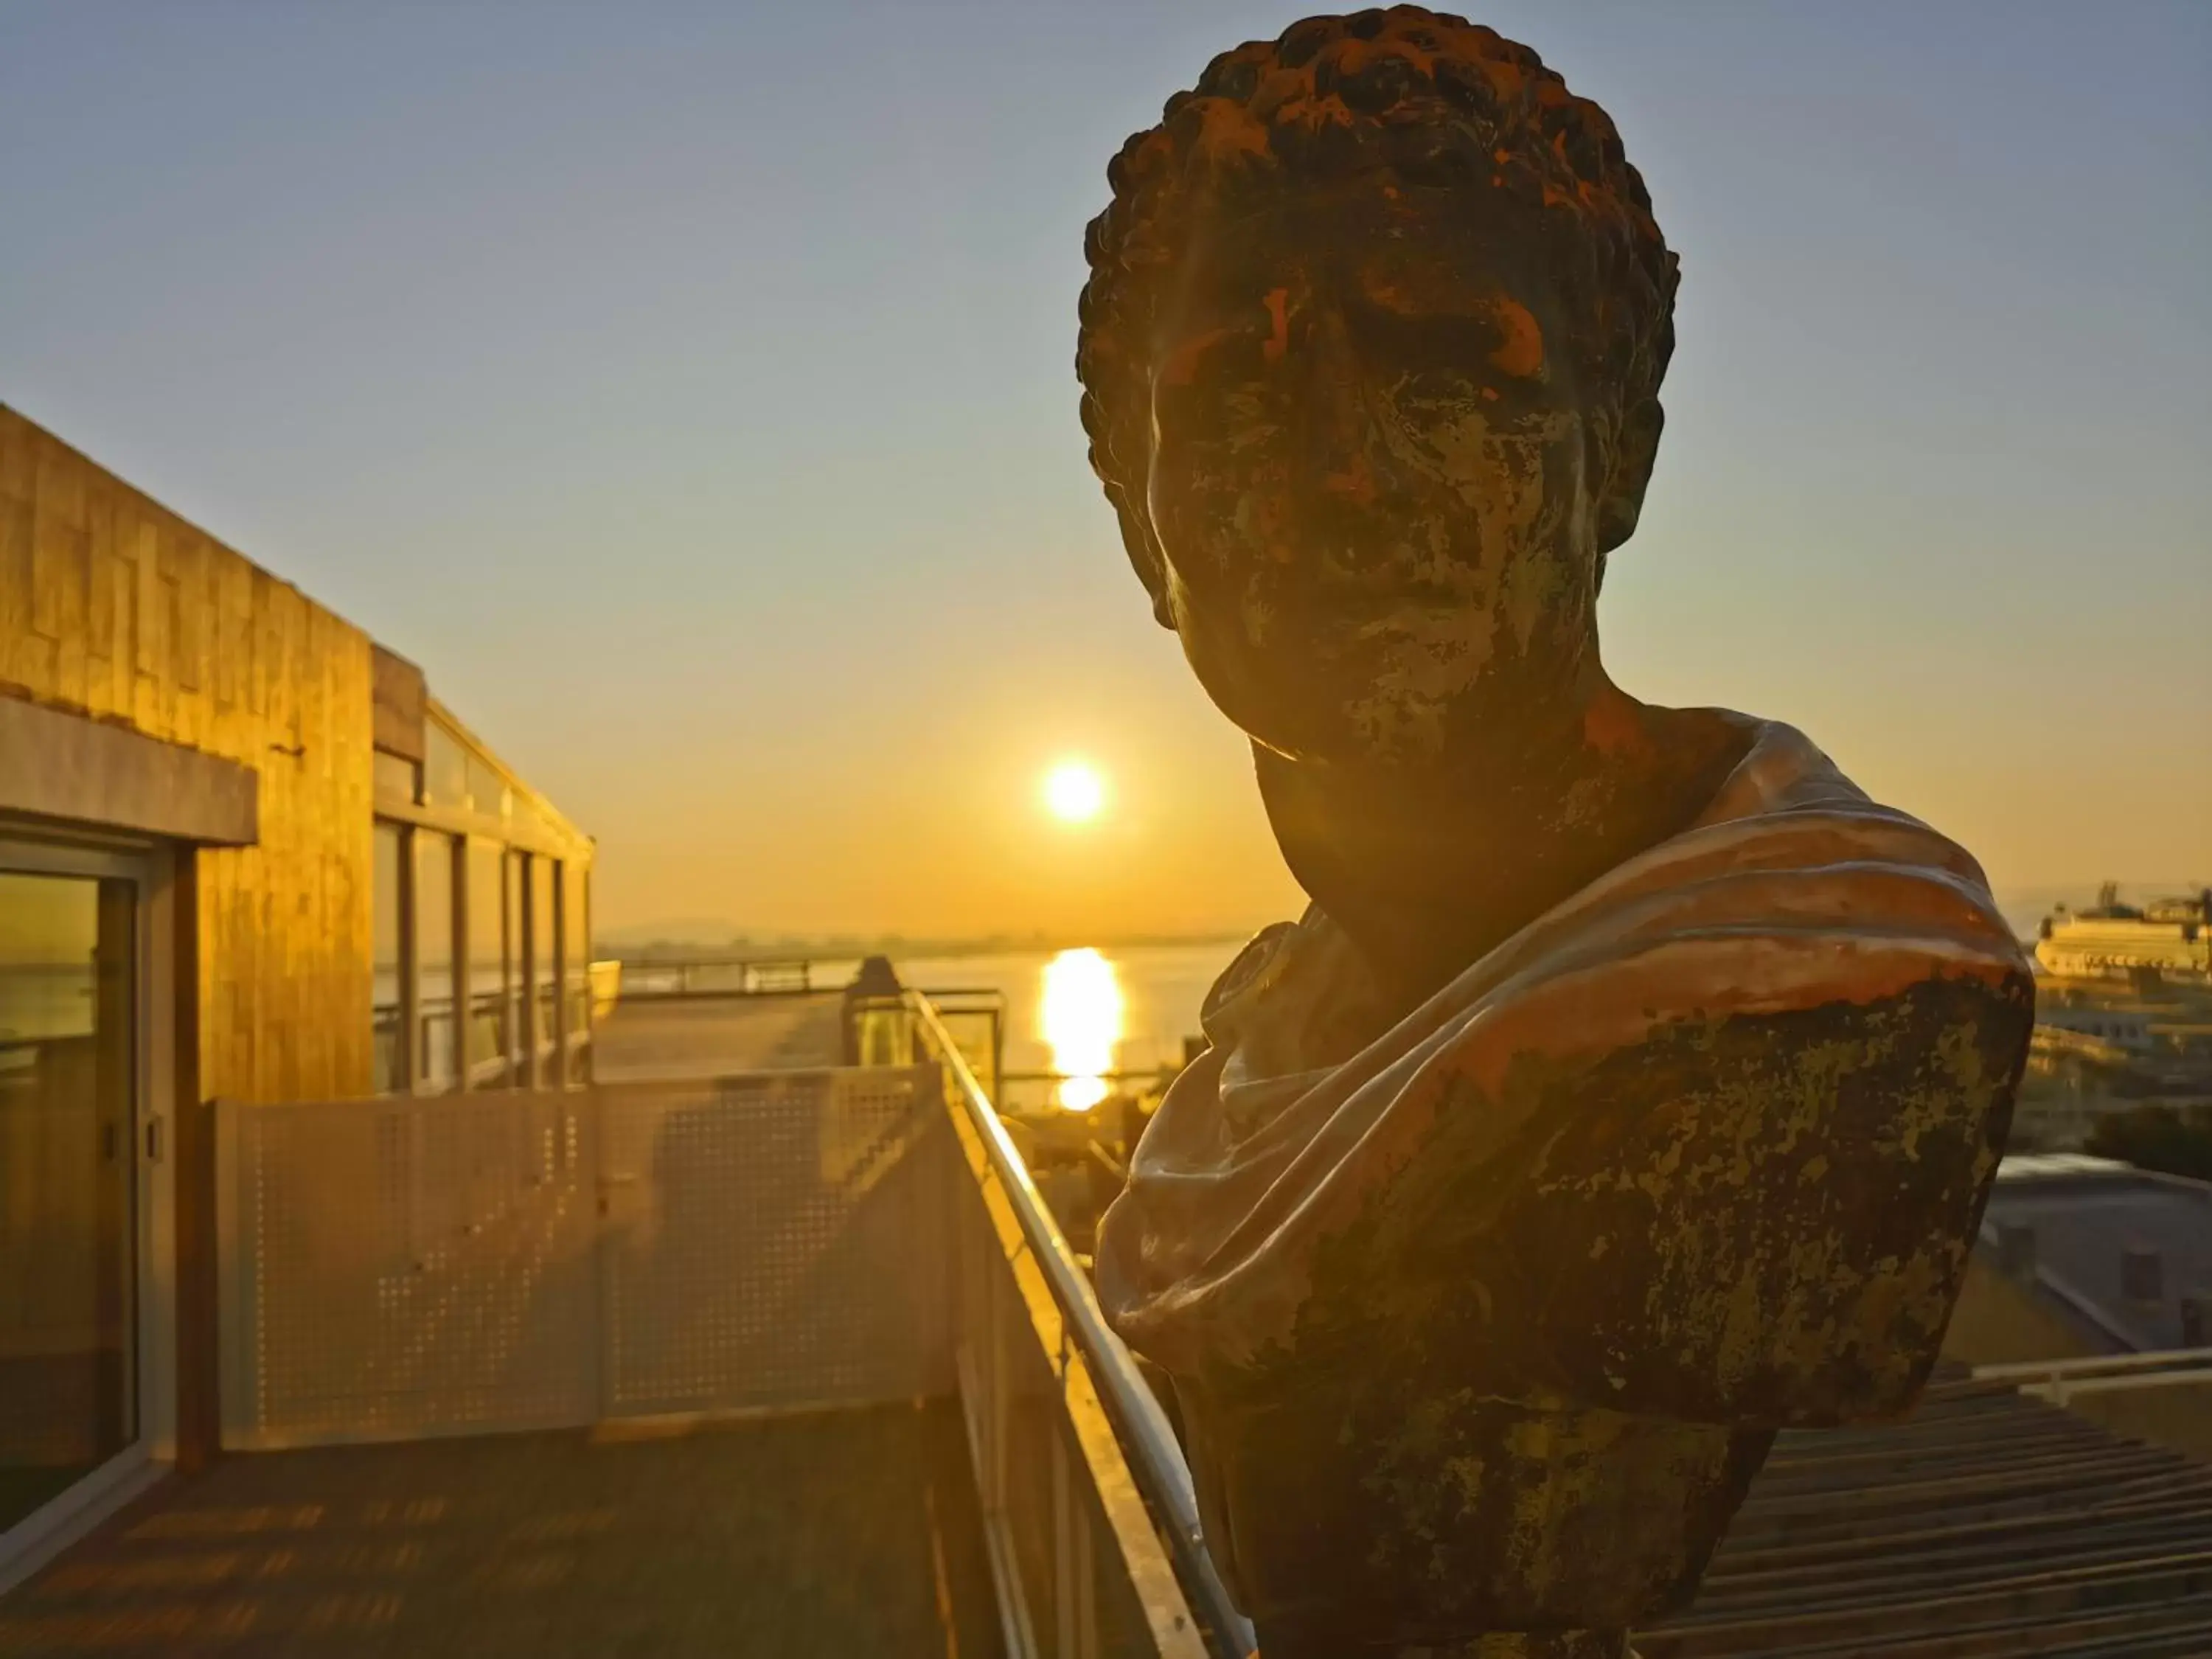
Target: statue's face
1373	479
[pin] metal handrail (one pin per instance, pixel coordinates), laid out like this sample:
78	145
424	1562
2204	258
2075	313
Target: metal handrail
1155	1455
2095	1365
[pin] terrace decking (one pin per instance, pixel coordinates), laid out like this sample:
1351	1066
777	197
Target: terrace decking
654	1040
1985	1524
1988	1524
835	1534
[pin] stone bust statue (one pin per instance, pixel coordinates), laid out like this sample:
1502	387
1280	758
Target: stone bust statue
1632	1087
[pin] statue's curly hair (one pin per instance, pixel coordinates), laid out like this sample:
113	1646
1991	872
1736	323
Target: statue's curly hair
1422	97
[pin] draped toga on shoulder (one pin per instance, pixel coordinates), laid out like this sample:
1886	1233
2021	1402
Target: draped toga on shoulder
1703	1146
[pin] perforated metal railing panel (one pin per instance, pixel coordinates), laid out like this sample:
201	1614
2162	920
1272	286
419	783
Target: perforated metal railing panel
396	1268
407	1268
774	1242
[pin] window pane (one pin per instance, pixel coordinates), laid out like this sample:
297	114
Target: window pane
434	953
575	959
445	768
398	780
488	791
487	973
517	1050
545	982
386	901
577	934
67	1234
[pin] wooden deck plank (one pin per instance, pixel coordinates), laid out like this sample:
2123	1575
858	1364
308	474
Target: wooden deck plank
831	1534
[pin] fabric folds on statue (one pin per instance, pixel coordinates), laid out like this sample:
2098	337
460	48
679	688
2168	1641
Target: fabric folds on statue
1791	891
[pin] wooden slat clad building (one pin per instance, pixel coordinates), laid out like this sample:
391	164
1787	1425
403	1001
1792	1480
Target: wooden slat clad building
243	853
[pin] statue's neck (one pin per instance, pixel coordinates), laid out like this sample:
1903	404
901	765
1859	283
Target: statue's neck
1428	868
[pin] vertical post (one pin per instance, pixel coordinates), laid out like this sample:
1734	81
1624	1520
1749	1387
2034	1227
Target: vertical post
1074	1597
1086	1583
465	976
234	1389
407	1064
528	927
583	922
560	974
198	1367
1063	1554
995	1422
512	965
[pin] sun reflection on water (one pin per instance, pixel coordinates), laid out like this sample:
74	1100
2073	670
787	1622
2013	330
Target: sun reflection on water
1079	1016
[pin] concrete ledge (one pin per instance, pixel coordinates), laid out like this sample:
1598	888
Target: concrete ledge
58	765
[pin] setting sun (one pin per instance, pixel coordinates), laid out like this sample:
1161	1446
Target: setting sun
1074	792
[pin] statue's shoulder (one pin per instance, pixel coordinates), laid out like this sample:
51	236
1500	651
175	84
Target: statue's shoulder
1795	909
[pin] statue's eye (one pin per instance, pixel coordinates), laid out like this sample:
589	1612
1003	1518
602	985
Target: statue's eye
1439	387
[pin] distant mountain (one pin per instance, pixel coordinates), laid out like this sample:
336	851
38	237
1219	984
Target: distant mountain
702	932
2024	906
710	937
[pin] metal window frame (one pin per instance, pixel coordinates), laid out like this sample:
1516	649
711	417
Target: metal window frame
42	1533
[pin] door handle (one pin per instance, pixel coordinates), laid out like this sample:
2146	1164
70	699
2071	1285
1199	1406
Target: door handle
157	1139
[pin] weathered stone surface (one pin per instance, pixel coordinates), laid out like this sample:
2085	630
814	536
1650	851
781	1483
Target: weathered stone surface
1634	1086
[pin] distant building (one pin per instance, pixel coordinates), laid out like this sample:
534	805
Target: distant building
243	853
2084	1262
2123	1018
2087	1255
2169	938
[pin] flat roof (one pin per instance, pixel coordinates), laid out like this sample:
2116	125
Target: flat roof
2087	1214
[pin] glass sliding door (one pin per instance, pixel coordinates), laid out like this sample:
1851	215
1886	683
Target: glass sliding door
68	1226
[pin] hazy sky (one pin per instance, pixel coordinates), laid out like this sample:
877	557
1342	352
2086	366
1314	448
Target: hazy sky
688	390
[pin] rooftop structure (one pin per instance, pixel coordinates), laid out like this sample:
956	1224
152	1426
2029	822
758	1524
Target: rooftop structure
2110	939
2121	1038
2120	1258
245	855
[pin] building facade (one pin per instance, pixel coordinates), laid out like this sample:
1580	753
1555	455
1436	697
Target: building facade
244	854
2168	938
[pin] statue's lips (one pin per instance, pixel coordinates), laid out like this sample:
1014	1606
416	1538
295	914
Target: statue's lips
1368	604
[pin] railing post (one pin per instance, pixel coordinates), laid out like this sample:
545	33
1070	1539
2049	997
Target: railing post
1063	1556
1113	1454
1075	1600
994	1390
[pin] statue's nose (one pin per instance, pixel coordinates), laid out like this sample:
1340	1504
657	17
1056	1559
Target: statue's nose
1347	458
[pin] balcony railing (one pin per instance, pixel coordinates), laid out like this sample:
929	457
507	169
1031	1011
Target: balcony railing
407	1268
1047	1386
